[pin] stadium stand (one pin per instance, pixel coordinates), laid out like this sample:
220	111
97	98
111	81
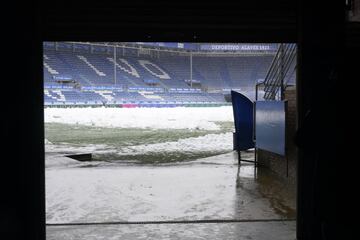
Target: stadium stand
96	97
213	72
146	78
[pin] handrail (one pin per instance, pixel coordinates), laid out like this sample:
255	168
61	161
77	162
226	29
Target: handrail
277	74
272	63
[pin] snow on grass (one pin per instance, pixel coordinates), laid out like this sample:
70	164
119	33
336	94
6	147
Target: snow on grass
181	150
203	189
209	142
154	118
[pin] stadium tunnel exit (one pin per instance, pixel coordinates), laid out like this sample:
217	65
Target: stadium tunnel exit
129	162
321	39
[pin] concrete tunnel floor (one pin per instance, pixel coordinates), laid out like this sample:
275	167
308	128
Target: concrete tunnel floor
213	188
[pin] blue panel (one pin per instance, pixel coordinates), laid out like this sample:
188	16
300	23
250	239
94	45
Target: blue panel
99	49
243	118
270	126
83	47
64	46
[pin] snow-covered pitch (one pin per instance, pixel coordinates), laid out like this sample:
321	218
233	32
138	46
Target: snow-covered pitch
120	190
154	118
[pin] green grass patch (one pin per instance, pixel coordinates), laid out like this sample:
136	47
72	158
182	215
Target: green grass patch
58	133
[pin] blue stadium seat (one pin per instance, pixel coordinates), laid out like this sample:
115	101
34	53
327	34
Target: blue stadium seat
164	78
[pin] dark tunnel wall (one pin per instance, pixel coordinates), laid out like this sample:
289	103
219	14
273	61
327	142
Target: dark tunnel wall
316	25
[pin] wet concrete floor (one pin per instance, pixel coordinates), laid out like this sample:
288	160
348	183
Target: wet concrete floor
211	188
223	231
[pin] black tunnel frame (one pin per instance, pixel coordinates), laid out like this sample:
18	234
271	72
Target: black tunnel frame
25	199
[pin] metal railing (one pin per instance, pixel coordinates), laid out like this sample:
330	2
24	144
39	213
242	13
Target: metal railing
280	71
